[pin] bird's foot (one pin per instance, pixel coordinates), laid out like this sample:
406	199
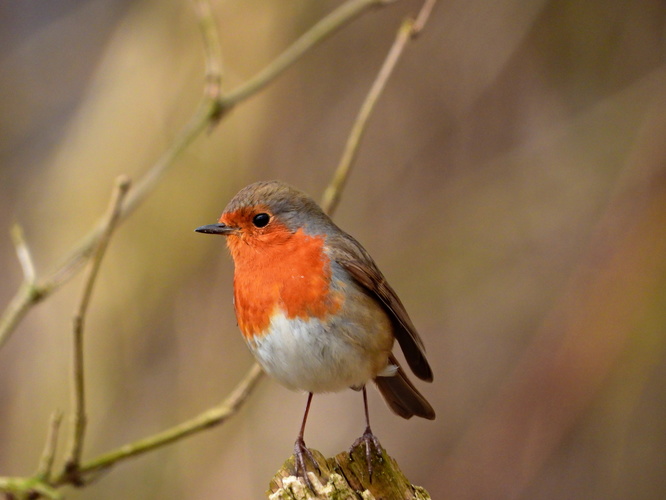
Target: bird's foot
301	452
370	441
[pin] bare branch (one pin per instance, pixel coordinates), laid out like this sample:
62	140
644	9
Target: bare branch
210	418
422	17
108	224
27	294
318	33
407	31
20	488
212	49
24	256
46	462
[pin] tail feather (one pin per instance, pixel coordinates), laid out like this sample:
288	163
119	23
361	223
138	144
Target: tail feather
402	397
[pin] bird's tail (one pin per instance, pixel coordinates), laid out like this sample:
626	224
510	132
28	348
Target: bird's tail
401	395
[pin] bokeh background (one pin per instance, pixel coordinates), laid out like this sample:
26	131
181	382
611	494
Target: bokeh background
511	186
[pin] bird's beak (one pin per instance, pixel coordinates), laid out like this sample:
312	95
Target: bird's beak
218	228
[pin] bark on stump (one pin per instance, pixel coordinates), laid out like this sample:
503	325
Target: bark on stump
344	478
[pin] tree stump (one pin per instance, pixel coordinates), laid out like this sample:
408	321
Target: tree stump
346	478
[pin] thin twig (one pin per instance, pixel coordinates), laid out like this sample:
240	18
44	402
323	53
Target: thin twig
48	455
407	31
213	57
422	17
24	256
210	418
18	307
20	488
318	33
28	292
40	489
208	112
78	387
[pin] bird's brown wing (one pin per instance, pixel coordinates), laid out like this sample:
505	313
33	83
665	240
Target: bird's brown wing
401	395
349	254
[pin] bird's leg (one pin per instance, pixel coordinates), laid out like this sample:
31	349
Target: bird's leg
301	451
368	438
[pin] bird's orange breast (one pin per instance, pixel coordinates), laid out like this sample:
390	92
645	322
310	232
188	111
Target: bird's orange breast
290	273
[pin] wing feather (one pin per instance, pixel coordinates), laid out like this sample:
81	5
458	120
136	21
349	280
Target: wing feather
349	254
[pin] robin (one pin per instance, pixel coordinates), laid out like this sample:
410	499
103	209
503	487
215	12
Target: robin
313	307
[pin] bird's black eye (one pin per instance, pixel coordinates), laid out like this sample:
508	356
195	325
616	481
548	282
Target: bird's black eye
260	220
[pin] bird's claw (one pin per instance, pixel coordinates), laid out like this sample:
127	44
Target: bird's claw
370	441
300	453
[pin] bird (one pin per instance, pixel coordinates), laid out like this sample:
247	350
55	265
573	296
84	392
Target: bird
315	310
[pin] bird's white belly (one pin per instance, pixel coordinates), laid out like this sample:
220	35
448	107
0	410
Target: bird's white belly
322	356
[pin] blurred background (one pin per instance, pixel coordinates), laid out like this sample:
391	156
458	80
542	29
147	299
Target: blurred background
511	186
